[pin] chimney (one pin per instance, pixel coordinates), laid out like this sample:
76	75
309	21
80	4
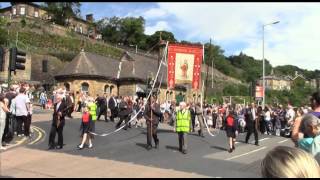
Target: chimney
89	17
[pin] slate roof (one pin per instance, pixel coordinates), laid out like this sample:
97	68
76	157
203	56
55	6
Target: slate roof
86	64
130	67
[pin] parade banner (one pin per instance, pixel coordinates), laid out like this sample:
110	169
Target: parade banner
184	65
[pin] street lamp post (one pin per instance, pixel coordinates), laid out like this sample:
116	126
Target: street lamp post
263	63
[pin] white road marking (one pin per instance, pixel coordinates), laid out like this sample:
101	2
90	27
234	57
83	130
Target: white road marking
237	142
282	141
246	153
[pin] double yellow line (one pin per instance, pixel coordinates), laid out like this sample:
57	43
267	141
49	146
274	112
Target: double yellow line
41	133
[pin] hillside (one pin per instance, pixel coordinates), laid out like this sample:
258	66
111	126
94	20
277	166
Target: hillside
43	38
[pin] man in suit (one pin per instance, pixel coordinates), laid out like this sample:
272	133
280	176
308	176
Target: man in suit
102	106
252	121
112	105
124	112
58	121
152	115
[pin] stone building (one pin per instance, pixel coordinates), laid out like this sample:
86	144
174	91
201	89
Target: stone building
126	76
34	11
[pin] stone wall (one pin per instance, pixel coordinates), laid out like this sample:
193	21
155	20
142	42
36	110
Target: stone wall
127	89
21	75
95	86
54	66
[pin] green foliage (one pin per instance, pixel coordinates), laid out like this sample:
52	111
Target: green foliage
154	38
63	47
235	90
215	53
252	68
3	32
290	70
23	22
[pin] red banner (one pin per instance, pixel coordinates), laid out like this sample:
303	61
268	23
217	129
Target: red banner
259	92
184	65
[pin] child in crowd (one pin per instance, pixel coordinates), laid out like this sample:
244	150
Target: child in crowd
86	122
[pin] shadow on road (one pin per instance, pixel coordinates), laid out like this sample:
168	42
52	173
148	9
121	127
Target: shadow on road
172	148
142	145
219	148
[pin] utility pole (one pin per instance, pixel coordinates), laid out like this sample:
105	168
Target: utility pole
209	57
212	73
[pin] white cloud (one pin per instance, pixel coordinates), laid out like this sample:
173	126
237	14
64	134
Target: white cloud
154	13
293	41
159	26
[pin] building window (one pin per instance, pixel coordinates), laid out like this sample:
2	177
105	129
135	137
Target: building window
14	11
111	88
44	65
67	85
22	11
84	87
106	89
36	14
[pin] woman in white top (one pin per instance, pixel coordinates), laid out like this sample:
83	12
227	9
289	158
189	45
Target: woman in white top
267	119
3	110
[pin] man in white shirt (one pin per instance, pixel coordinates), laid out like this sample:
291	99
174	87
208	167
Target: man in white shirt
22	108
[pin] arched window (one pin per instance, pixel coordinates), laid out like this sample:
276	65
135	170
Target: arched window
111	88
67	85
106	89
84	87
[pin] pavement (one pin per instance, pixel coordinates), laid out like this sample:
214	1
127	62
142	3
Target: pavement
123	154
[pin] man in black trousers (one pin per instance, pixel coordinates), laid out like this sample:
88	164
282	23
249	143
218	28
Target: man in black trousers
124	112
58	121
152	115
252	121
112	105
102	106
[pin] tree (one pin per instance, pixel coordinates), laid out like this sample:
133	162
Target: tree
154	38
110	29
132	29
127	31
61	12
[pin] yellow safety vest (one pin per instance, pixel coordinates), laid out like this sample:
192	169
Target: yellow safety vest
183	121
93	111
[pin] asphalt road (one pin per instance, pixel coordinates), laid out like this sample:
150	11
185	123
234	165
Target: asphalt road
207	156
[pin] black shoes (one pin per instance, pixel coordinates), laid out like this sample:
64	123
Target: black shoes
184	151
149	147
157	145
257	144
59	147
230	150
51	147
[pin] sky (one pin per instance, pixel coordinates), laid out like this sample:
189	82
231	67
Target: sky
236	27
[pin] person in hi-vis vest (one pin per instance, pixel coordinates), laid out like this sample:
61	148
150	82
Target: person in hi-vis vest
183	126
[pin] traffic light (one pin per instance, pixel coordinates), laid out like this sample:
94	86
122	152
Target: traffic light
17	60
